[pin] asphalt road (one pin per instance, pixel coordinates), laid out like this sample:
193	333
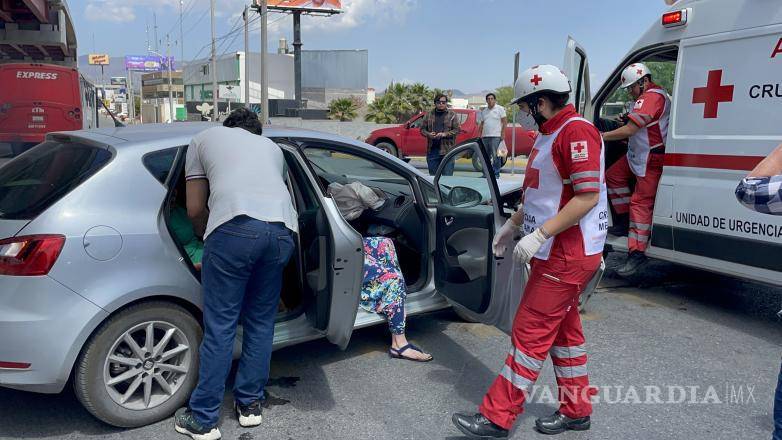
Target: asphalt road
673	327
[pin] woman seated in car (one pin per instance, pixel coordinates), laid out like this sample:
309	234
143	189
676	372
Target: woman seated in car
183	230
383	289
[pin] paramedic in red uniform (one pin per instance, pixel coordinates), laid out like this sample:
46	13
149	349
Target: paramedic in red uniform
564	218
645	130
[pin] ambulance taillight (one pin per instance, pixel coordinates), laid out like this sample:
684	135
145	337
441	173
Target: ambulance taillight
675	19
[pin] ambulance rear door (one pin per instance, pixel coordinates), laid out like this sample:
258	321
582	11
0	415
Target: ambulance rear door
576	68
725	120
483	287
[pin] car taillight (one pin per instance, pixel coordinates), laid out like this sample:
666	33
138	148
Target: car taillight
674	19
29	255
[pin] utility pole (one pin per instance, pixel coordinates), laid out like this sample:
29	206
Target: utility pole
297	57
181	34
264	66
132	103
246	16
170	82
214	64
154	17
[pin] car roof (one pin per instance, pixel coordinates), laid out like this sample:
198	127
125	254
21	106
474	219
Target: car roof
153	137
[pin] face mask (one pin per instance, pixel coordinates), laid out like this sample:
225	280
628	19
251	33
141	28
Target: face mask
527	121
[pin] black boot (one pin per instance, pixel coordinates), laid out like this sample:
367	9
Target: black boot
634	262
621	225
558	423
478	426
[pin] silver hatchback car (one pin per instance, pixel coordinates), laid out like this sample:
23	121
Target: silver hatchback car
95	287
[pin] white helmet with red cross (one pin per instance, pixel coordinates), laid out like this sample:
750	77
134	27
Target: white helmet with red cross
633	73
542	78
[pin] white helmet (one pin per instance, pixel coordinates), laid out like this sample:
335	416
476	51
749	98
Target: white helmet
633	73
542	78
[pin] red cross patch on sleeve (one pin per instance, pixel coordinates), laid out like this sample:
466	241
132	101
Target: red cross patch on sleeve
638	104
579	151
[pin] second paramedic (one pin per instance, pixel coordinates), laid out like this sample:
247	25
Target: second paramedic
646	130
564	217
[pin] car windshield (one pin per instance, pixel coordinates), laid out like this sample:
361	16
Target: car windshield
34	181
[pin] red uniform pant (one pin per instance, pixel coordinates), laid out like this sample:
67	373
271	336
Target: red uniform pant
640	203
546	322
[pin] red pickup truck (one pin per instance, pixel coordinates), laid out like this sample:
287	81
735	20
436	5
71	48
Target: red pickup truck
406	139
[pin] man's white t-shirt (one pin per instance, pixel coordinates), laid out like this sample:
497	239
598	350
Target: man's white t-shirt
246	174
492	120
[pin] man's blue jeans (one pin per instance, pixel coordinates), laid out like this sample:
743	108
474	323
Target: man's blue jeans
492	144
433	160
242	276
778	409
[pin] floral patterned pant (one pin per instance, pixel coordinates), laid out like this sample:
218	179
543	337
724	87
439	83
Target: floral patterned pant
383	290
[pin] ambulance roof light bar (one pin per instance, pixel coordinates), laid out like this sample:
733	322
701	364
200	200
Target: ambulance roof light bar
675	19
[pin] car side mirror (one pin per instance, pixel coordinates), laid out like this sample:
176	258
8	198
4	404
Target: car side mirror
463	197
407	125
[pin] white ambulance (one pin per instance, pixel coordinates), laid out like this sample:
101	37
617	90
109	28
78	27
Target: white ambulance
726	117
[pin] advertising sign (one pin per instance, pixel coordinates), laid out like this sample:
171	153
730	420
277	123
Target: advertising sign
119	81
333	6
229	92
99	59
148	63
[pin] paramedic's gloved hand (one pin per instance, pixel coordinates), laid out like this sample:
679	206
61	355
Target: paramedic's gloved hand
503	238
528	246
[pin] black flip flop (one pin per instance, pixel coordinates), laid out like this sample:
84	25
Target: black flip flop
397	353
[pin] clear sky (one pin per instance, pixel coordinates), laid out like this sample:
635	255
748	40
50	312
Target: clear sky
451	44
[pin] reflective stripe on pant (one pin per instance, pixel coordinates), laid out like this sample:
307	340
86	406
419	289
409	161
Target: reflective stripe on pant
547	321
778	410
640	203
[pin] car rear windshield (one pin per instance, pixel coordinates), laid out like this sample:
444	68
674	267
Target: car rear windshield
36	180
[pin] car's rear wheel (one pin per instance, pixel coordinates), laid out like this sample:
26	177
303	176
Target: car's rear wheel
388	148
478	165
140	365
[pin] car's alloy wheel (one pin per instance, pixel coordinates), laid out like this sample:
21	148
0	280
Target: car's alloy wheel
140	365
388	148
146	365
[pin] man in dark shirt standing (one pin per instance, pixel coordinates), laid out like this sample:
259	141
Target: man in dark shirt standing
440	128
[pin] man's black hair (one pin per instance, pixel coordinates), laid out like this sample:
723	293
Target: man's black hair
440	95
244	118
492	95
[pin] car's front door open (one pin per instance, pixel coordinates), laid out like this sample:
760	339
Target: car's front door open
467	273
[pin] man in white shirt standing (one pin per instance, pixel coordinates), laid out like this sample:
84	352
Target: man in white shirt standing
493	121
238	200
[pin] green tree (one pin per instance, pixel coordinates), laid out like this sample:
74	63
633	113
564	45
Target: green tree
401	101
343	109
504	96
381	112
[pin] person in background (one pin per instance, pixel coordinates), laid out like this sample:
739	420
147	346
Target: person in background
761	191
238	200
440	128
492	122
646	131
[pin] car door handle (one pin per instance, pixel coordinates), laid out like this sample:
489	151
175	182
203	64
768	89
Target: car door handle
448	219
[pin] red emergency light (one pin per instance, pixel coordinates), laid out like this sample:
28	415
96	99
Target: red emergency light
675	19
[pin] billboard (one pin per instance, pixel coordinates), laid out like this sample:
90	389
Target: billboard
100	59
148	63
119	81
333	6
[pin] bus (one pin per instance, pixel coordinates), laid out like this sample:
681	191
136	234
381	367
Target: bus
36	99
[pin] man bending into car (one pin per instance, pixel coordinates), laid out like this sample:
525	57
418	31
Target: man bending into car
238	200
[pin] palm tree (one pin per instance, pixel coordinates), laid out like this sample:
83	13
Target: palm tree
381	112
343	109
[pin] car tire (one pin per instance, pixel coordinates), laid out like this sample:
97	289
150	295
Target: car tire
388	148
94	369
